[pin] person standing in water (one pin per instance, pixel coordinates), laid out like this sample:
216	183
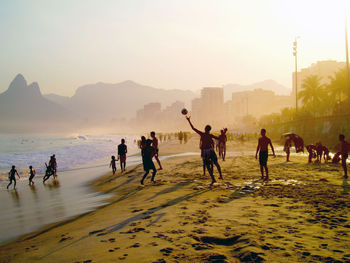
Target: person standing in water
113	164
147	154
207	148
31	175
12	176
262	149
122	151
344	149
156	148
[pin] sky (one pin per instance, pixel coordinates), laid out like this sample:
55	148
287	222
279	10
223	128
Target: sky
182	44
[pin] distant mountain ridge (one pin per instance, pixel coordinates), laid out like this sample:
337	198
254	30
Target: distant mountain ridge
120	100
22	102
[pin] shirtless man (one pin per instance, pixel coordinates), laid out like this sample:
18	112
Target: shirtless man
344	149
287	146
262	148
12	177
207	147
122	151
156	148
222	144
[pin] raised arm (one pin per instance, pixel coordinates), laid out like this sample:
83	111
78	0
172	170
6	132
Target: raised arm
193	128
273	150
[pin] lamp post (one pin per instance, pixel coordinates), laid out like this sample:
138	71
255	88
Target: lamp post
295	54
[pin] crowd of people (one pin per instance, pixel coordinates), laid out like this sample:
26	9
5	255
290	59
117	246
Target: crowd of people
208	143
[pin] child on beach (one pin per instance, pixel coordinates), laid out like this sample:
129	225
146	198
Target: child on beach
147	154
113	164
49	171
31	175
344	149
156	148
209	155
122	150
262	148
12	177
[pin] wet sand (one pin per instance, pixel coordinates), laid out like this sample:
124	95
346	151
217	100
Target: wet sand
300	215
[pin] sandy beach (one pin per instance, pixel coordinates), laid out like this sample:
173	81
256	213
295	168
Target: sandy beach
300	215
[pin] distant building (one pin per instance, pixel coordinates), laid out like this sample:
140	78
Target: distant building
149	111
258	102
209	108
323	69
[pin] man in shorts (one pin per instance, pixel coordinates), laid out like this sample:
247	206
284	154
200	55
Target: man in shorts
12	174
344	149
156	148
207	147
262	149
122	150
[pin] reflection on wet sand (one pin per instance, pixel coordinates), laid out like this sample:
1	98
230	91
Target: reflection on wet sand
346	186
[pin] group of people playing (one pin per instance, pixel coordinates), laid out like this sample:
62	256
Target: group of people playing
51	169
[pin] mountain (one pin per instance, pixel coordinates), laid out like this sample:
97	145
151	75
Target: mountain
23	105
60	100
121	100
265	85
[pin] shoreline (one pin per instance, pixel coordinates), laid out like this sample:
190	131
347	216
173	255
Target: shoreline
181	219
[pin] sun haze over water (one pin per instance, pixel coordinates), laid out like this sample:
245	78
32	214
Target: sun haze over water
165	44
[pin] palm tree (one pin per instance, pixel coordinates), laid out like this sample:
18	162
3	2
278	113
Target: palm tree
338	86
312	93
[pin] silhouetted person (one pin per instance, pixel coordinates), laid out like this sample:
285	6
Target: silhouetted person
222	144
319	152
311	149
12	177
287	146
344	149
53	164
262	149
185	137
209	154
31	175
49	171
122	151
156	148
326	156
336	158
113	164
181	136
147	153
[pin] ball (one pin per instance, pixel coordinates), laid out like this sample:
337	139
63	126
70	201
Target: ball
184	111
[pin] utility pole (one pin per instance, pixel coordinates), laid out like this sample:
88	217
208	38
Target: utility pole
295	54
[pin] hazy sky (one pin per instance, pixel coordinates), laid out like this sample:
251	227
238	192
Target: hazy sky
185	44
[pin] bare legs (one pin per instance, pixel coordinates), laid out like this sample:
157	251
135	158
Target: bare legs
262	167
14	184
145	175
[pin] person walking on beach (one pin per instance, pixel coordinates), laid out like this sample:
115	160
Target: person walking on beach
113	164
53	165
12	177
222	144
156	148
122	151
344	149
262	149
287	146
147	154
31	175
208	152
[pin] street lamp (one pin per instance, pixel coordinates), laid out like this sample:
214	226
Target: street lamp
295	54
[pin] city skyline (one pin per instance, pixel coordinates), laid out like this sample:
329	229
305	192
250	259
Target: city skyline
169	45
